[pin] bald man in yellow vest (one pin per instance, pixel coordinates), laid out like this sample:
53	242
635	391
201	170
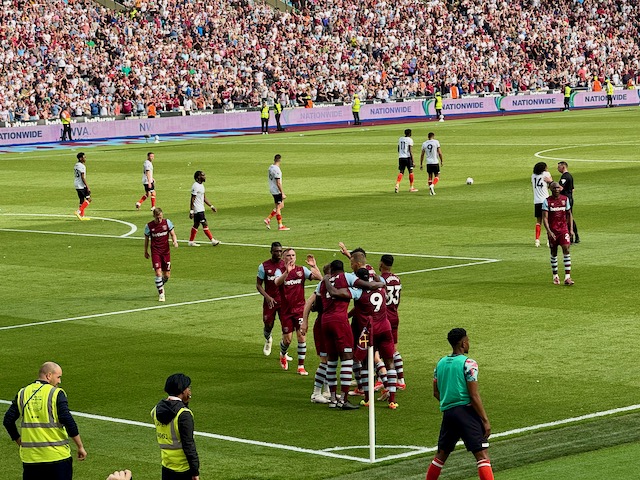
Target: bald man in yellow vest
47	425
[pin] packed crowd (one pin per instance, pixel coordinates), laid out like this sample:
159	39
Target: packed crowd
197	54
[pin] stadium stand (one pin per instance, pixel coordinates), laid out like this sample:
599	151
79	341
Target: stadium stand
226	54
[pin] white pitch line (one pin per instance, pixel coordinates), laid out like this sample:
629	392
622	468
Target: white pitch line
329	452
417	255
478	261
133	310
221	437
132	228
541	153
195	302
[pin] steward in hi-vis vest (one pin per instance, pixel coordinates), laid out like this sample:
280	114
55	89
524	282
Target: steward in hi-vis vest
264	118
278	108
567	96
46	427
355	109
174	431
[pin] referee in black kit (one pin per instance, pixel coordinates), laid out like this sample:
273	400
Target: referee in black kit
566	182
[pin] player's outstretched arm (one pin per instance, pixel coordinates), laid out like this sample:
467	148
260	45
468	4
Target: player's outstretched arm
359	283
174	238
343	250
146	246
315	273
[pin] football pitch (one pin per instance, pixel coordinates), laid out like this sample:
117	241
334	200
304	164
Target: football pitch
557	364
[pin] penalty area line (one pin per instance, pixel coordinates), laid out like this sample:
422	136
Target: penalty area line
132	310
195	302
330	452
216	436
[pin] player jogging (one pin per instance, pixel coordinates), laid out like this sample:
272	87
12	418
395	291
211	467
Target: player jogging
540	179
157	232
558	221
148	182
405	160
196	210
275	187
80	182
432	149
268	271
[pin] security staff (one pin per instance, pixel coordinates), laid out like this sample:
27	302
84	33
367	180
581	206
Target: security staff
65	118
439	115
278	107
46	427
609	88
567	96
264	118
174	431
355	109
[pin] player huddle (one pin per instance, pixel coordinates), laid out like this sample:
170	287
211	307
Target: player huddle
374	315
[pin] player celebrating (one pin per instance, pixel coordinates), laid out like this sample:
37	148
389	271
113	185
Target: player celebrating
156	232
148	182
314	303
268	271
335	292
292	284
196	210
405	159
432	148
558	221
80	182
275	187
370	313
393	287
540	179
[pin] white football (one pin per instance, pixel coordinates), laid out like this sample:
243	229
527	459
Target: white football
469	181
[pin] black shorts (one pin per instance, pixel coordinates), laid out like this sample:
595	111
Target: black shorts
537	210
199	219
83	193
168	474
61	470
433	168
277	198
405	163
464	423
149	188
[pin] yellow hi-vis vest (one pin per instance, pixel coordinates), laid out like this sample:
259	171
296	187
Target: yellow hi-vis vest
438	102
356	105
264	112
609	88
168	436
44	438
567	91
278	107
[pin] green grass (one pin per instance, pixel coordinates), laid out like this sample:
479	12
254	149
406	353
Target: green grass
546	353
